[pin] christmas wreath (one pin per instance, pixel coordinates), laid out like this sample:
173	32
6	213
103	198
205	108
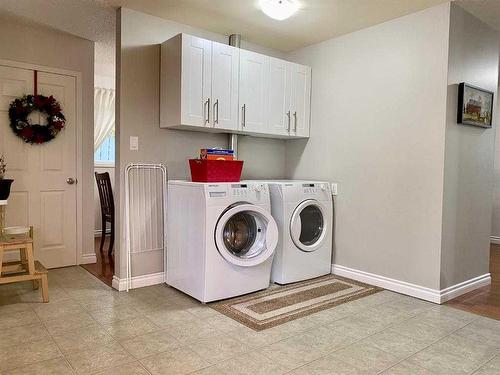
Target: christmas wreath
21	108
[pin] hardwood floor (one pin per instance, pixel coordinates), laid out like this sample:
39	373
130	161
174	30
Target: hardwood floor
104	268
486	300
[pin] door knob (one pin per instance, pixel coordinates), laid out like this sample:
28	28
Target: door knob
70	181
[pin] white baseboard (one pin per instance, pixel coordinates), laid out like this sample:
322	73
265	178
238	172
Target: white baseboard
495	240
465	287
427	294
138	281
88	259
387	283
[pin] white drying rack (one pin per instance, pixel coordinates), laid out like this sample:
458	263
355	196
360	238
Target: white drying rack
143	180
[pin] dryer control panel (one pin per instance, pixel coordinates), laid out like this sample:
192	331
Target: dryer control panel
297	191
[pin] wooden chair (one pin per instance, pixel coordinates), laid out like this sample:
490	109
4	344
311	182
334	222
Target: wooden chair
107	208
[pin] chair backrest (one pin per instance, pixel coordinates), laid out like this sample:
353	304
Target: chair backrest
105	193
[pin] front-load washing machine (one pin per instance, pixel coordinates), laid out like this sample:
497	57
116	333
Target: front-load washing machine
221	238
303	211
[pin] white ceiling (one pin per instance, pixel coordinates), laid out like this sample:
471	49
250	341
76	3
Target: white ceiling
84	18
317	20
486	10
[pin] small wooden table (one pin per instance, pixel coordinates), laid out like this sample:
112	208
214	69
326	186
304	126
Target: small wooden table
25	269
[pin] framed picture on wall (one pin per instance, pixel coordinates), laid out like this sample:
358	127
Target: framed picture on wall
475	106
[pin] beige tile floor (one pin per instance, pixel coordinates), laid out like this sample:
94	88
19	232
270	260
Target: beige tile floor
88	328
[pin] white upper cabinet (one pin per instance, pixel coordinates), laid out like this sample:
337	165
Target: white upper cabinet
214	87
186	81
280	93
254	87
225	67
197	71
199	84
301	100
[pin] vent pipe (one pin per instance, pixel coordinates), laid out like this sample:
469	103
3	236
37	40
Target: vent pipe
233	144
235	41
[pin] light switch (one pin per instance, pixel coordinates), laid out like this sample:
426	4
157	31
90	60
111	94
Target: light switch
334	188
134	143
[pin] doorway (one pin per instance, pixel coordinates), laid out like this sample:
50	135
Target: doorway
485	300
104	163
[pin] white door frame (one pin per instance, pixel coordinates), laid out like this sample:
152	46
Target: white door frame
79	141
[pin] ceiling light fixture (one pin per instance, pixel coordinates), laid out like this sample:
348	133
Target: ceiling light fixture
279	9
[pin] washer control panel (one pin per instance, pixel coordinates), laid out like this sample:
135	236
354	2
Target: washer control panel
314	188
240	191
248	190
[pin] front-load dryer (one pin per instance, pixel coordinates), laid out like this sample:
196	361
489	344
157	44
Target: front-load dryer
303	211
221	239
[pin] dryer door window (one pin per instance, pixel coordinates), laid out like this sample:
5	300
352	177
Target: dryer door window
312	226
308	225
246	235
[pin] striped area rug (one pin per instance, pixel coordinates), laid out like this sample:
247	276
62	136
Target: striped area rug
283	303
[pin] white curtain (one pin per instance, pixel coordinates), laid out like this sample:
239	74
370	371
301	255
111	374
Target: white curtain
104	115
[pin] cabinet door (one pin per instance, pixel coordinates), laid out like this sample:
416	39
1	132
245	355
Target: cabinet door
254	86
301	100
225	64
196	81
280	91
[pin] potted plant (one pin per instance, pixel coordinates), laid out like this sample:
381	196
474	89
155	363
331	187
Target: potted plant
4	183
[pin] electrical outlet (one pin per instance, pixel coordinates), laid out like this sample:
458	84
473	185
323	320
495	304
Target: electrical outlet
134	143
334	188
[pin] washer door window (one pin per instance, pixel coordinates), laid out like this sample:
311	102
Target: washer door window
246	235
240	233
308	225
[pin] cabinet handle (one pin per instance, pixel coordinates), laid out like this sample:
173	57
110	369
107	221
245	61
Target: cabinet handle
289	119
295	121
243	115
206	110
216	112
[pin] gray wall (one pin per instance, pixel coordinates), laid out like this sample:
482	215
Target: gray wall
138	64
378	113
37	45
383	108
495	222
469	154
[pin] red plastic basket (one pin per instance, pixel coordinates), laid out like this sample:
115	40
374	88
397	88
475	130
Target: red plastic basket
203	170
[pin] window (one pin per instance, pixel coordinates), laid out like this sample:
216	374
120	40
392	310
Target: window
105	154
104	127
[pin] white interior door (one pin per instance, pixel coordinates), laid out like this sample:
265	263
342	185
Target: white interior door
40	195
280	91
254	85
196	80
301	100
225	64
